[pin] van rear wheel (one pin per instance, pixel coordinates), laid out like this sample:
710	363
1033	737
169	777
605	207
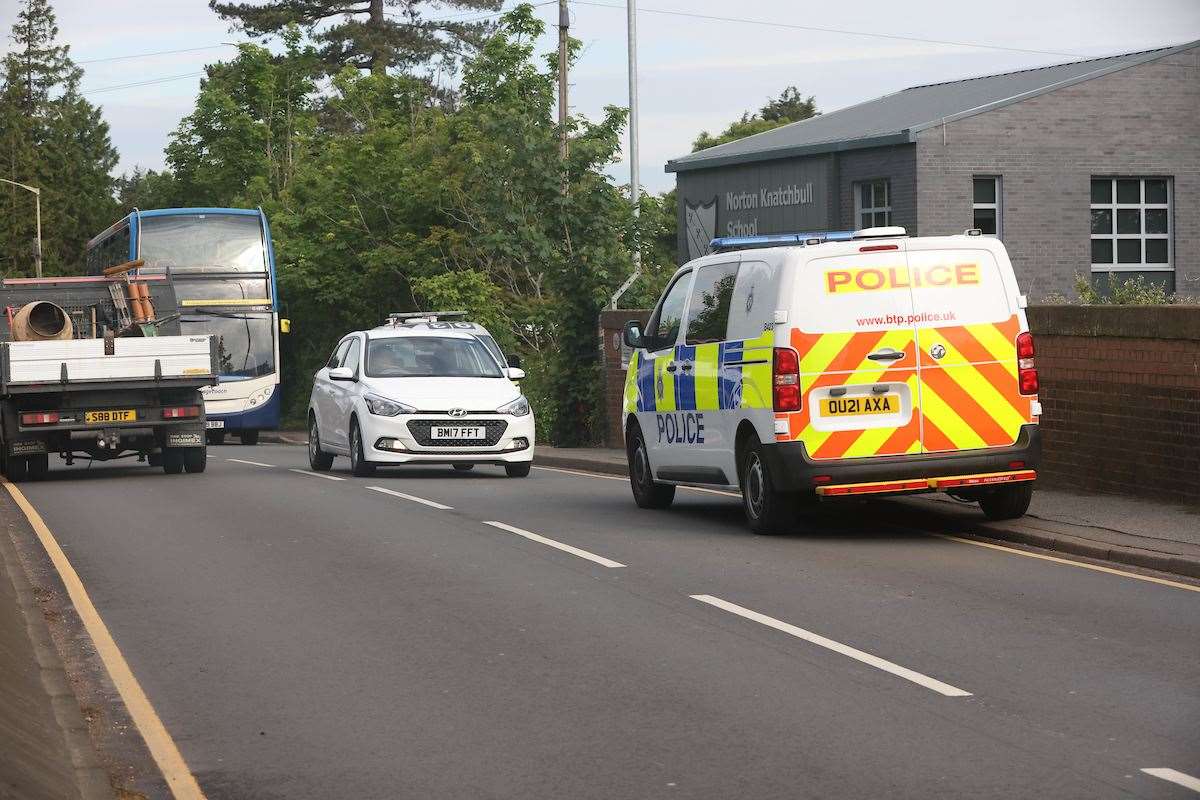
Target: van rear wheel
768	511
647	492
1007	502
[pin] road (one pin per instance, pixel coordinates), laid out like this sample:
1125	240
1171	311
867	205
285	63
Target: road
315	637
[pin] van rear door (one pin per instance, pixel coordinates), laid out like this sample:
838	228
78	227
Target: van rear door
967	321
851	324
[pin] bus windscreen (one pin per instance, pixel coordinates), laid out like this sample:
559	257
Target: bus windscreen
203	243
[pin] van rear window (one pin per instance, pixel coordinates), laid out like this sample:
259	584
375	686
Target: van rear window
883	290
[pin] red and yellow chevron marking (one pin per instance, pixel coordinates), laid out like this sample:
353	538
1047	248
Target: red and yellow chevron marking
968	398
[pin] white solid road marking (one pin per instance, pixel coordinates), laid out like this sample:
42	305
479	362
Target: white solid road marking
837	647
251	463
566	548
316	474
162	747
404	496
1174	776
583	474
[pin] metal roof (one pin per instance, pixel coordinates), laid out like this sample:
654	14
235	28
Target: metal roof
897	118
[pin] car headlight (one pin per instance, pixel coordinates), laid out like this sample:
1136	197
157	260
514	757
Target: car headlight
382	407
517	408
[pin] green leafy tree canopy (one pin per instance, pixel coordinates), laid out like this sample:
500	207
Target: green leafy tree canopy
790	106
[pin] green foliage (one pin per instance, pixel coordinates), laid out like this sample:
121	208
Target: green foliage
54	139
790	106
363	33
1131	292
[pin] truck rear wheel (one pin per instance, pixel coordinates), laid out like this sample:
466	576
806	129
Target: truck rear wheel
16	468
195	459
172	460
39	465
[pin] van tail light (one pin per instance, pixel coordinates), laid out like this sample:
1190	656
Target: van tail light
181	412
39	418
786	369
1027	376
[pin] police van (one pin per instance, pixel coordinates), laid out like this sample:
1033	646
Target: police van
811	366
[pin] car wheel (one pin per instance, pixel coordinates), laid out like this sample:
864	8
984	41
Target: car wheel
464	467
195	459
647	493
359	466
248	437
215	436
768	511
172	460
1007	502
519	470
318	460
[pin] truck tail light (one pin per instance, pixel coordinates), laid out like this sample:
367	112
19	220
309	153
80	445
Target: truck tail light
1027	376
181	412
786	371
39	418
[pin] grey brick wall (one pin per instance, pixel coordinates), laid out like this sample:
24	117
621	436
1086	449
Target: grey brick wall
898	164
1143	121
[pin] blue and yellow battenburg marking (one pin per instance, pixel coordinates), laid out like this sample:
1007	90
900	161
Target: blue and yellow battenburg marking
724	375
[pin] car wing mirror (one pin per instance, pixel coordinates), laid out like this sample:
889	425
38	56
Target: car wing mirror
633	334
515	373
514	361
341	374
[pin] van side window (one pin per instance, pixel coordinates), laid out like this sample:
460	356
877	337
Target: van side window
708	311
663	329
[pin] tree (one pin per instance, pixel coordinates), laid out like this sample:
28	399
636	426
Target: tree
790	106
52	138
365	35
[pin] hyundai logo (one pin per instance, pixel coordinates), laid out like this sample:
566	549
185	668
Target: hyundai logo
457	412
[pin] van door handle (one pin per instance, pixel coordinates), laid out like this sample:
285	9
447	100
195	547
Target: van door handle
687	366
886	355
672	367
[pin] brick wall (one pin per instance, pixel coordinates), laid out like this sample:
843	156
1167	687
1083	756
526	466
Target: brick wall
1120	395
897	164
1143	121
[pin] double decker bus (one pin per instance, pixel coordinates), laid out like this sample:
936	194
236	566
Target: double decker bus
223	266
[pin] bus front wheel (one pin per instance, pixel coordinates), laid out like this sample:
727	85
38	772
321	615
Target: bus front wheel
248	437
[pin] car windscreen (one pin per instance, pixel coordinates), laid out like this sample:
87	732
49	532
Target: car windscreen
245	340
203	243
430	357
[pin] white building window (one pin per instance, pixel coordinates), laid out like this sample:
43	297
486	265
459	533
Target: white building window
873	203
1131	225
986	214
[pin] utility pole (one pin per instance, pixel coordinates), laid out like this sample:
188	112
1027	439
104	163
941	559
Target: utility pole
37	194
564	24
635	187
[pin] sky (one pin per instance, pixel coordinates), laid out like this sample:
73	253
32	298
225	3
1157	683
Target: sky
694	74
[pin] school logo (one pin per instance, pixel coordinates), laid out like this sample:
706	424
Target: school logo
699	226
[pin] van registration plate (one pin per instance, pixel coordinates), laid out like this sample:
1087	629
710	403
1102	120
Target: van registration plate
456	432
860	406
124	415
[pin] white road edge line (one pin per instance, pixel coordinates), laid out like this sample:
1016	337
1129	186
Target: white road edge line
1174	776
316	475
251	463
583	474
566	548
404	496
858	655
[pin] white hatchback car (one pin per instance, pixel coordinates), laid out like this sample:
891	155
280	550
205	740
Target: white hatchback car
404	395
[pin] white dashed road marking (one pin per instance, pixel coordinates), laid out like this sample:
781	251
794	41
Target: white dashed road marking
404	496
316	474
566	548
251	463
1174	776
858	655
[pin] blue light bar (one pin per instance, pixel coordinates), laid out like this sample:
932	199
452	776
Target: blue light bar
724	243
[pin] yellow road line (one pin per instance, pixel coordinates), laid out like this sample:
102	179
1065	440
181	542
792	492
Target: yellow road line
1055	559
162	747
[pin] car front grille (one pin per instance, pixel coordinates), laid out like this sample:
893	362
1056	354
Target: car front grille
420	430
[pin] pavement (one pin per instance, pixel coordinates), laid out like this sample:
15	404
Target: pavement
435	634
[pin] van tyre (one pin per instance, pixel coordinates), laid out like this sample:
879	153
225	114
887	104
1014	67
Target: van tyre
1007	502
318	459
519	470
359	466
647	493
768	510
172	460
195	459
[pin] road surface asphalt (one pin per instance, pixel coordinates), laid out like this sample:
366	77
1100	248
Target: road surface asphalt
315	637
